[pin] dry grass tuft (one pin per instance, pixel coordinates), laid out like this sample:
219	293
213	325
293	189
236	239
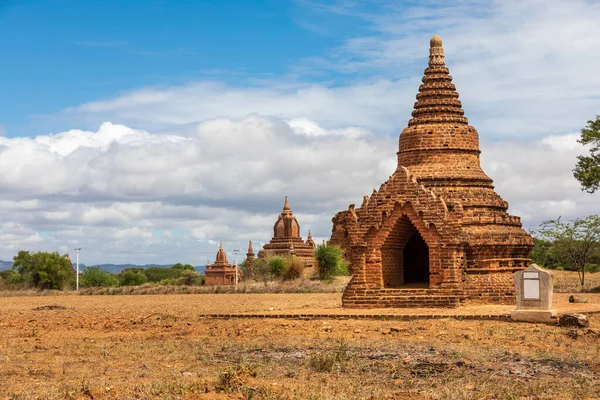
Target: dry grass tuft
300	285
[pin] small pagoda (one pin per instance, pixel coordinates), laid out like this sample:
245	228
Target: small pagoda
436	232
221	272
249	262
287	242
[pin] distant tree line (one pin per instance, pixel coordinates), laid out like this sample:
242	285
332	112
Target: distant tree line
50	270
179	274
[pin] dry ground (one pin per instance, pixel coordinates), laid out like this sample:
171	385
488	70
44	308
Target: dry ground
157	346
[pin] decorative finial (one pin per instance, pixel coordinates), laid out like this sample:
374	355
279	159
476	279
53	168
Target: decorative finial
309	235
250	250
286	204
435	41
221	245
436	51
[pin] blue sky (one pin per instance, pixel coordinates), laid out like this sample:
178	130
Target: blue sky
60	53
144	129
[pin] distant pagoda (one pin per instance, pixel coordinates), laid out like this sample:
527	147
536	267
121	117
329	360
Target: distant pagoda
221	272
249	262
287	241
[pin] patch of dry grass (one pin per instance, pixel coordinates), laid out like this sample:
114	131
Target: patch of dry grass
301	285
141	347
568	281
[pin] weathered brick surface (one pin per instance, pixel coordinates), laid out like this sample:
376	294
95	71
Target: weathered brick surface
438	194
287	241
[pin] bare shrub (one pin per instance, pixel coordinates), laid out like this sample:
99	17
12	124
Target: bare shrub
294	269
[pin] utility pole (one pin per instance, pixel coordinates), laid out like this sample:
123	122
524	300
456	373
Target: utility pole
77	274
235	252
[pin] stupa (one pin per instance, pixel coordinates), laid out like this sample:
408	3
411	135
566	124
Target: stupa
286	241
221	272
249	262
436	232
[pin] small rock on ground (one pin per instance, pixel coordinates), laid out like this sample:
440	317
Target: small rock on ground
577	299
574	320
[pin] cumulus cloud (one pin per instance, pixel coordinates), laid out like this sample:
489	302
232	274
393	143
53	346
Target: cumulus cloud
126	194
525	70
536	178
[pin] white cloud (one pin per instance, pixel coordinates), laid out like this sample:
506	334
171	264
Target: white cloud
536	178
162	198
110	190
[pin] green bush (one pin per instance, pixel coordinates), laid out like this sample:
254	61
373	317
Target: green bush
331	261
189	278
592	267
132	277
97	277
7	275
159	274
278	266
542	254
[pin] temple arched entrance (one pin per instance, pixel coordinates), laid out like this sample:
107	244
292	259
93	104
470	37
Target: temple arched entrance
416	260
404	256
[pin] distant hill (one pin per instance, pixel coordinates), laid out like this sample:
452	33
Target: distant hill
112	268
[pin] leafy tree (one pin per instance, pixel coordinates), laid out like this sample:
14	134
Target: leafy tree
132	277
575	243
189	278
158	274
331	261
260	270
278	266
587	170
542	254
44	270
97	277
182	267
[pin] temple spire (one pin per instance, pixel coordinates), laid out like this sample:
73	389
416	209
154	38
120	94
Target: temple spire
221	258
437	100
310	241
286	205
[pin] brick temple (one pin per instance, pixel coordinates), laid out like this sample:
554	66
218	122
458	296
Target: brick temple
436	232
286	241
221	272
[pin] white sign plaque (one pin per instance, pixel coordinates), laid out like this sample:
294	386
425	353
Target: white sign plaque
531	289
531	275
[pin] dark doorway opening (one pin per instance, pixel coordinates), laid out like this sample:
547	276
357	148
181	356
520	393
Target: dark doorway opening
416	260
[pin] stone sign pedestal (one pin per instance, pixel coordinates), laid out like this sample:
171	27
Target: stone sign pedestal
534	288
